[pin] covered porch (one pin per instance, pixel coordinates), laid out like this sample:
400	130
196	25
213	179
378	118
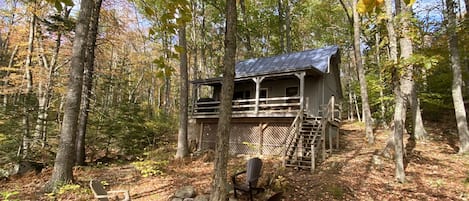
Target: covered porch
274	95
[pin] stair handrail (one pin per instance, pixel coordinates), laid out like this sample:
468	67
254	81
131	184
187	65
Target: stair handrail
292	130
313	152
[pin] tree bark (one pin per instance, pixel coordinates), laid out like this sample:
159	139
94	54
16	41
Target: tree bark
392	45
398	133
87	84
219	188
183	147
246	31
281	24
361	76
64	160
288	26
403	94
456	89
27	98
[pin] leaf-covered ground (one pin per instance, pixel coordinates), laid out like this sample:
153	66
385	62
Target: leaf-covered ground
354	172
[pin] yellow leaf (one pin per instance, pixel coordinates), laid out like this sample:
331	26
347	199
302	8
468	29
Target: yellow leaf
409	2
361	6
379	2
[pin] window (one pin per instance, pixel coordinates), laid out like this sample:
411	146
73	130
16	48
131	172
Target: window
291	91
263	93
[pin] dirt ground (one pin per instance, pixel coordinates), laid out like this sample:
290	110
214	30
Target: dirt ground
354	172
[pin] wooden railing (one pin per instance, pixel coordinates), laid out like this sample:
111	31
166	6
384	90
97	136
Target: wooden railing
331	117
292	133
270	105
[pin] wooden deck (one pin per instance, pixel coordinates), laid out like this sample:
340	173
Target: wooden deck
263	107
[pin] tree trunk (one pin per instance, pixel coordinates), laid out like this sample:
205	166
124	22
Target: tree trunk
281	24
87	84
288	26
361	76
418	130
27	98
458	101
183	147
403	93
466	2
219	188
5	81
246	31
392	45
64	160
399	110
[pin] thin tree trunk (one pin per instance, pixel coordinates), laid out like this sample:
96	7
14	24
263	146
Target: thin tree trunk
87	84
43	89
458	101
359	116
381	92
27	98
247	31
281	24
5	82
418	130
361	76
392	45
404	94
183	147
398	133
219	188
288	26
64	160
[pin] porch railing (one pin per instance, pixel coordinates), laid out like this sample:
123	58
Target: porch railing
266	105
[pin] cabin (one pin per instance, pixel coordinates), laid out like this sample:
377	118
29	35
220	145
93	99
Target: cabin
285	105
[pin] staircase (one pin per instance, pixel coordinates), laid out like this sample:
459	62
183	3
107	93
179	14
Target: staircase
306	140
305	145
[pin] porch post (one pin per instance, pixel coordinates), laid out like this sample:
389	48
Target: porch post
195	97
301	76
258	81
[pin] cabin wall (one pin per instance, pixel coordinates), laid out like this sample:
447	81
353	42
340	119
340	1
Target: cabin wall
332	85
313	94
277	88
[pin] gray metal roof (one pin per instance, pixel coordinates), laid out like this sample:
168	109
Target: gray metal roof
297	61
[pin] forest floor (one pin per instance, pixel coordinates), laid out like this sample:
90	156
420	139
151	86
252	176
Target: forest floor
434	171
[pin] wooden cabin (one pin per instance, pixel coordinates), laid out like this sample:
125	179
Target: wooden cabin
275	100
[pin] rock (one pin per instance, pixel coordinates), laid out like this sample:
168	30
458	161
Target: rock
202	198
177	199
376	160
27	166
188	199
185	192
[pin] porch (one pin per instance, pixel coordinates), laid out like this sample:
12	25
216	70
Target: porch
262	107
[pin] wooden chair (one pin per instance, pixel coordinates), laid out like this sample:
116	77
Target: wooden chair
103	195
253	172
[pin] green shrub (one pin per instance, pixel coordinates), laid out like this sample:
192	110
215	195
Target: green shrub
7	194
150	167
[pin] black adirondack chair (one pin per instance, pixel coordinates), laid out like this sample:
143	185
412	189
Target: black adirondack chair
253	173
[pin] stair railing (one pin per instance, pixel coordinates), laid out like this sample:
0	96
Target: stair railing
313	151
292	133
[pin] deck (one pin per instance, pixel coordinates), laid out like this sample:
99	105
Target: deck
263	107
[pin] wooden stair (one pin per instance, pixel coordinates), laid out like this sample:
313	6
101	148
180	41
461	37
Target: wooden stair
304	149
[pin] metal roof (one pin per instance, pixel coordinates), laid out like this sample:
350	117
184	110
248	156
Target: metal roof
310	59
